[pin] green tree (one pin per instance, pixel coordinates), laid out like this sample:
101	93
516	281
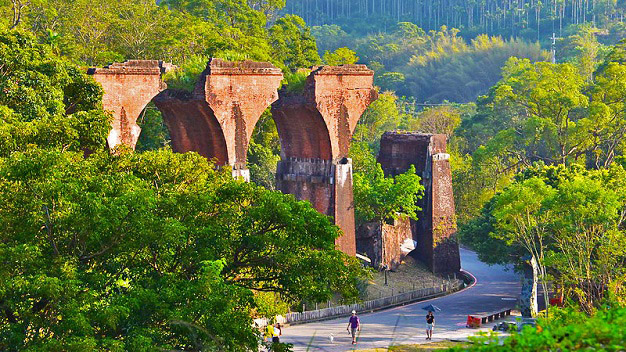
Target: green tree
341	56
46	101
570	220
135	251
550	96
586	228
151	250
264	152
381	116
521	219
379	198
566	329
293	44
441	119
585	48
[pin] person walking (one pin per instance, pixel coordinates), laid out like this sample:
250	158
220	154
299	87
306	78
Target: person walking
354	325
430	322
277	333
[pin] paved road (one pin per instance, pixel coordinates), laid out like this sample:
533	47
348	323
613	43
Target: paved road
496	288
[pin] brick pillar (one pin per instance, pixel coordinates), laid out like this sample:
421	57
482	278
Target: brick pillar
435	229
128	88
315	128
218	118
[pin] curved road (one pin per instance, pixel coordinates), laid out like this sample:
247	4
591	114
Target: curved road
496	288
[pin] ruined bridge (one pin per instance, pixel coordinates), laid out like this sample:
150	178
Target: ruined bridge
314	125
217	119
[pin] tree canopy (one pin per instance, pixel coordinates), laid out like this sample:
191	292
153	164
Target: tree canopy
136	251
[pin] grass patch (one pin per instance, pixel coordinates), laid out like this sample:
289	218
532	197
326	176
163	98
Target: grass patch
295	82
426	347
185	77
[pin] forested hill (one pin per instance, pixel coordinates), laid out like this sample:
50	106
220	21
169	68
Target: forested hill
530	19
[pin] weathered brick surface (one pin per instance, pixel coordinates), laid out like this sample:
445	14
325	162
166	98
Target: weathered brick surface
218	118
344	206
128	88
385	244
315	126
435	229
319	122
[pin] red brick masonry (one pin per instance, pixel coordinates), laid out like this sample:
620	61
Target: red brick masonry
315	128
128	88
217	119
435	229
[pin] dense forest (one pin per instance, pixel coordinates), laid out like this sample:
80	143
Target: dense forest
435	66
530	19
437	51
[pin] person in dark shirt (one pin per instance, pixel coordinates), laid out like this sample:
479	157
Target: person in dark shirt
354	325
430	322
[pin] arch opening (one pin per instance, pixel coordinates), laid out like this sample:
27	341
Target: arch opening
264	152
302	131
192	126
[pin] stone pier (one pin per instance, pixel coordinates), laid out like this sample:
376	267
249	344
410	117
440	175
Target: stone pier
435	229
128	88
315	127
217	119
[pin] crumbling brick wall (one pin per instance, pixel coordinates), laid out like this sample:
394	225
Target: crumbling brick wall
435	229
385	244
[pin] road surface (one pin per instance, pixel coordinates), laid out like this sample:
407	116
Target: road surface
496	288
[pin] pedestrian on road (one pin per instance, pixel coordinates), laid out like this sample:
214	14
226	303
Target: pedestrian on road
354	325
277	333
430	322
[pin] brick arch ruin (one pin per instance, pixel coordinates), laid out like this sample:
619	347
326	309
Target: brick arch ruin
315	127
128	88
217	119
